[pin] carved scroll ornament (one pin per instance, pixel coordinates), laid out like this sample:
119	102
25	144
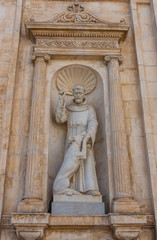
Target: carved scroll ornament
76	14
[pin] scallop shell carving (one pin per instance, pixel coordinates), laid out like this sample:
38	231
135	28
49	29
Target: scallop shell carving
69	76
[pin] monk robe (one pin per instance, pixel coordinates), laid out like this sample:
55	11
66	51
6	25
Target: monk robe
79	118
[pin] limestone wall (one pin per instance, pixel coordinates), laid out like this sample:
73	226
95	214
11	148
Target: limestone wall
139	92
10	19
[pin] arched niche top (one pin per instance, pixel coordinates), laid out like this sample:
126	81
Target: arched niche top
69	76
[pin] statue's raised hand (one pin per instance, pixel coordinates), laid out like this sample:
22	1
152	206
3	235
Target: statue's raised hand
62	97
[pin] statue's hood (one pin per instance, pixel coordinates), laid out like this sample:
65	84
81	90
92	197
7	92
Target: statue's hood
74	107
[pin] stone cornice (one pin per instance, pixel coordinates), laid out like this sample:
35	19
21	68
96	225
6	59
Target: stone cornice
108	220
58	51
123	226
48	30
76	28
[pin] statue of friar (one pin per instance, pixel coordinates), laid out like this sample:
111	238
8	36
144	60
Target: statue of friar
77	174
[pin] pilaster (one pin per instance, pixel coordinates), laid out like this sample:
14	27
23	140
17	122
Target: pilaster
33	198
123	201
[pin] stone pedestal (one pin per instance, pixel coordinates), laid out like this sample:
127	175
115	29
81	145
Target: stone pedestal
77	205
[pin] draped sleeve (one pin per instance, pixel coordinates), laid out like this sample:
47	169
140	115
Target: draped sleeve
92	124
61	115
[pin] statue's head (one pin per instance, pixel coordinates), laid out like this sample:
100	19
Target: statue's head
79	93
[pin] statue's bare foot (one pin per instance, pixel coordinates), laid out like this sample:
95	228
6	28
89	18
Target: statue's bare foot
70	192
94	193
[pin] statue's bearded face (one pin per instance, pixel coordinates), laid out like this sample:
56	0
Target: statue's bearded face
79	95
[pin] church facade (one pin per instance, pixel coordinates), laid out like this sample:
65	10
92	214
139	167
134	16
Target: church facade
78	119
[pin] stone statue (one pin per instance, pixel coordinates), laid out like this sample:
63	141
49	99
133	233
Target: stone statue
77	174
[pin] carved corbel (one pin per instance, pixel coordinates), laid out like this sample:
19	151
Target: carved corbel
29	233
30	226
126	233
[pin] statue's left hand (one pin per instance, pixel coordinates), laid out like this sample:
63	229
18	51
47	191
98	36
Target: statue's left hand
86	137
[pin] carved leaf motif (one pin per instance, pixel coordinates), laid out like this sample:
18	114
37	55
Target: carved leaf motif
76	7
76	74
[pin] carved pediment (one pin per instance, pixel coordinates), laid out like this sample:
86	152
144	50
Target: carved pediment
76	29
76	14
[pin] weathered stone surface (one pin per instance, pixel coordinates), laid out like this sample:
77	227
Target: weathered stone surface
30	226
26	180
82	226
